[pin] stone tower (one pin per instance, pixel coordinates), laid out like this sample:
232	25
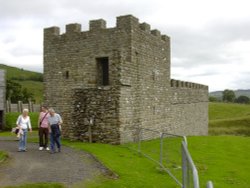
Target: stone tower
107	82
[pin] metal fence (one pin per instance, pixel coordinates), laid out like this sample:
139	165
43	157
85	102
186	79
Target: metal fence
173	160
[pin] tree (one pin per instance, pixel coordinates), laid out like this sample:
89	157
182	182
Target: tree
15	93
243	99
27	96
228	95
212	99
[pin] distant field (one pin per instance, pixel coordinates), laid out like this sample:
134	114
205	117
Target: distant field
229	118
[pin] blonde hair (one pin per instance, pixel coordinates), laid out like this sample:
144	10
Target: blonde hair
25	110
51	110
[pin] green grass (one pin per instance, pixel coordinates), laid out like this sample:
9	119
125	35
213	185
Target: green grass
133	169
3	156
224	160
227	111
38	185
18	73
11	118
229	118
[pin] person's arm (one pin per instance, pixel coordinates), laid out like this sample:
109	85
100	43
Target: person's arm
38	123
18	122
60	122
49	127
29	125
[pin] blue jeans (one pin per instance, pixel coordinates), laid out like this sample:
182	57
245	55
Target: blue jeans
23	140
54	139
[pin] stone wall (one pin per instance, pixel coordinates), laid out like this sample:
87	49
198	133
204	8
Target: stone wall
96	109
135	91
189	108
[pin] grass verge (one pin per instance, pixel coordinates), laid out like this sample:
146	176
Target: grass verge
3	156
222	159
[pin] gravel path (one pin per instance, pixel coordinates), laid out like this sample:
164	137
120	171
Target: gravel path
68	167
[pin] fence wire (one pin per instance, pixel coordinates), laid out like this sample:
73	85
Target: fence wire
171	154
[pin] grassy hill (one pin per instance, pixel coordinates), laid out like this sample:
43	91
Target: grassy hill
28	79
229	118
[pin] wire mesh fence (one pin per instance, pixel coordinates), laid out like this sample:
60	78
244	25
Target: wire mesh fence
171	154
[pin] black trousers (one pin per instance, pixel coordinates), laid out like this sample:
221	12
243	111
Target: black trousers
43	137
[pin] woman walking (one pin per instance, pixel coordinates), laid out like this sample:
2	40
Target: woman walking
43	129
23	124
55	122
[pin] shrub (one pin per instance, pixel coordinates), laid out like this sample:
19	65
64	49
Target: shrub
10	119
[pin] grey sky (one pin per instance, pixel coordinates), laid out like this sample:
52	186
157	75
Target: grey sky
210	39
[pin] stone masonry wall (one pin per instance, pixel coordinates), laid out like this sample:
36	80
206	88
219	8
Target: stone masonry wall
189	108
70	62
97	108
139	93
146	81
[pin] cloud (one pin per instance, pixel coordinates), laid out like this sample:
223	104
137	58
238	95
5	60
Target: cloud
210	39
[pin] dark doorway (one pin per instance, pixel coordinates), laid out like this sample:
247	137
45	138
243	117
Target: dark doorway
103	71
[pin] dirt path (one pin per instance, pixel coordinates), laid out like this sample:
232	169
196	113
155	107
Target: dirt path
68	167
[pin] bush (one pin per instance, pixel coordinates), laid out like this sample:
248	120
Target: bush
10	119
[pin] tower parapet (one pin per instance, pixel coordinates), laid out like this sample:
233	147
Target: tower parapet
184	84
127	22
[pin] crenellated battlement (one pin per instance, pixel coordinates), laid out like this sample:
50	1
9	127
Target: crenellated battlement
127	22
117	79
184	84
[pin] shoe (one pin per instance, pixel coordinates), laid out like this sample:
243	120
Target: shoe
59	149
51	152
24	150
19	150
40	148
47	148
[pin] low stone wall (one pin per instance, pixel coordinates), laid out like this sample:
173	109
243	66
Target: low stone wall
96	109
189	110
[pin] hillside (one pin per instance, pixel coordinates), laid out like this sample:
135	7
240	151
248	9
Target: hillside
240	92
33	81
229	118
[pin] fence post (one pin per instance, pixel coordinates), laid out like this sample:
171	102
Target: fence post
139	140
209	184
19	106
30	106
7	106
91	122
184	167
161	147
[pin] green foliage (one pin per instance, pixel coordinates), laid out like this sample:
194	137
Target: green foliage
212	99
228	95
242	99
36	88
30	82
11	118
15	93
